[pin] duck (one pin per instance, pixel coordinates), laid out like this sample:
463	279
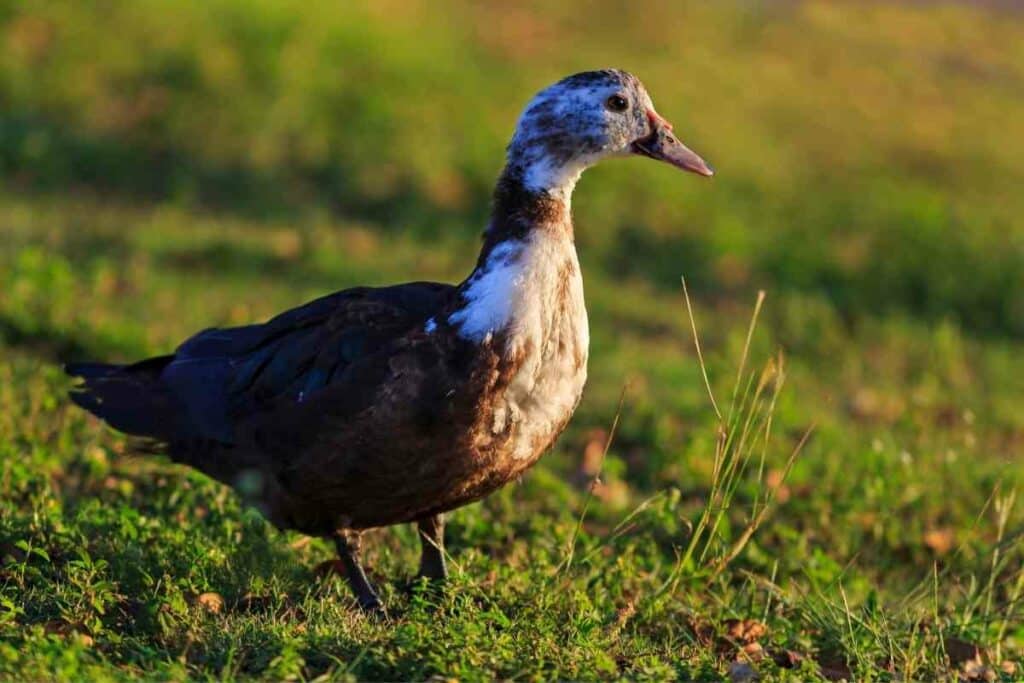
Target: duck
377	406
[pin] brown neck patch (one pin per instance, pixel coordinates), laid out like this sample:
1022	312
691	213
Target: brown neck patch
517	211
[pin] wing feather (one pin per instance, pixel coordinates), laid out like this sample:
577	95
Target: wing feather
225	375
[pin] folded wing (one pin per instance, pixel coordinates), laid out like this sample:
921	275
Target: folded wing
220	377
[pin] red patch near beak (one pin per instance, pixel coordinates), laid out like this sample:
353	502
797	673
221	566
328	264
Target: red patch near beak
656	121
660	144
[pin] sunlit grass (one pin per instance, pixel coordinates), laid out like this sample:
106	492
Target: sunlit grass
835	472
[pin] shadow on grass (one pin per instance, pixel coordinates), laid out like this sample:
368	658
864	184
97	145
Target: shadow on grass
660	259
56	345
42	155
930	272
232	261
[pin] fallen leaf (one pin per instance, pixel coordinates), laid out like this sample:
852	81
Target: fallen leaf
745	630
702	631
301	543
211	602
940	541
491	579
593	454
974	670
614	493
754	651
625	613
775	479
868	405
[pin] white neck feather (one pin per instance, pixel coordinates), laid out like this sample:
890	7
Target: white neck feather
556	179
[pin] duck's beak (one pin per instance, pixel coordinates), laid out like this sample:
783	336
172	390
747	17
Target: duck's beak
661	144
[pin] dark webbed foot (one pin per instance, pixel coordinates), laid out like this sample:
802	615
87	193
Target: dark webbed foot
348	543
432	565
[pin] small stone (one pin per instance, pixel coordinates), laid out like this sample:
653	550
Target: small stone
741	672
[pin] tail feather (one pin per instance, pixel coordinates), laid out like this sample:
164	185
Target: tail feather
140	401
130	398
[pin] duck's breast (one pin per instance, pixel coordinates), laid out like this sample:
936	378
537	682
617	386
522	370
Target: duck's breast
544	344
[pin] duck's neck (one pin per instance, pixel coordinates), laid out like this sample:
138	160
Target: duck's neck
528	259
519	210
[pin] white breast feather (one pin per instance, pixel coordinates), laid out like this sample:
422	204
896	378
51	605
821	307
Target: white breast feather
517	292
490	293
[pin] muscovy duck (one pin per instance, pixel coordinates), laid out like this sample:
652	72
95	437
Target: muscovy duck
384	405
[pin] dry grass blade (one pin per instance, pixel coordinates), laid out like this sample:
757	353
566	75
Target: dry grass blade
570	552
741	438
746	348
760	516
700	355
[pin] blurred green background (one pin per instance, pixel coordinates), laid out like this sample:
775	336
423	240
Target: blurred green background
172	166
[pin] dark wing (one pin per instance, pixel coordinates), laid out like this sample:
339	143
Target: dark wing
219	377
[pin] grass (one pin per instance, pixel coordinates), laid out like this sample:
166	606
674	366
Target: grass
170	170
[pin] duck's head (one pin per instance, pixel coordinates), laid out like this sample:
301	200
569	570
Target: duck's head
587	117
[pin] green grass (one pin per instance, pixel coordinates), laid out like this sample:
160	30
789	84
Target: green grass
168	168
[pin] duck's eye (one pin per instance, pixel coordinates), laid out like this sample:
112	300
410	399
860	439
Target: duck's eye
617	103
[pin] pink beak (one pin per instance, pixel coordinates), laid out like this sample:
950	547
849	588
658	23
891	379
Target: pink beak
662	145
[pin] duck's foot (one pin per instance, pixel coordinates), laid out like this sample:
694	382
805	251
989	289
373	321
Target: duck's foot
348	543
432	564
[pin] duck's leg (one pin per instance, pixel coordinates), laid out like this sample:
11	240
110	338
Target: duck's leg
349	543
432	564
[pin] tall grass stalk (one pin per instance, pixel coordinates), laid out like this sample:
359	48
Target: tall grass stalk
571	549
742	437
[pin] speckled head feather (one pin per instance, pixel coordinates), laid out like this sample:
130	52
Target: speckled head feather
574	123
582	119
